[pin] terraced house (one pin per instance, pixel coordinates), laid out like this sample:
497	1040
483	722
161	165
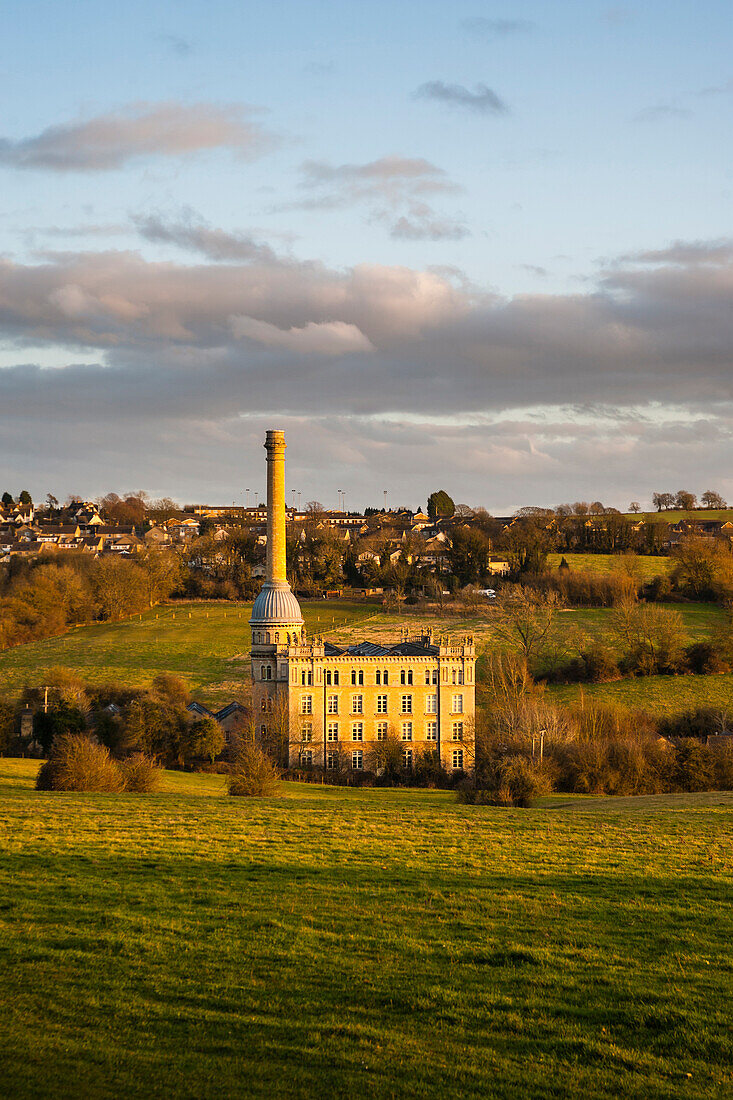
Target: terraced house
341	702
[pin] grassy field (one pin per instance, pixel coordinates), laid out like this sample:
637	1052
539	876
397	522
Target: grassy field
644	566
336	942
207	645
697	515
656	694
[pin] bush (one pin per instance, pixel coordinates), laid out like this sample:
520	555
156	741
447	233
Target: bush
704	658
512	781
252	773
78	764
140	773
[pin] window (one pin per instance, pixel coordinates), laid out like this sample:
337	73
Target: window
407	759
378	677
332	704
306	732
453	676
435	675
306	704
263	731
332	677
381	704
431	704
332	731
306	678
357	760
406	707
427	675
385	678
381	731
457	704
407	731
266	672
458	731
469	675
357	677
431	731
306	758
460	675
458	759
277	636
357	731
332	759
264	702
357	704
406	676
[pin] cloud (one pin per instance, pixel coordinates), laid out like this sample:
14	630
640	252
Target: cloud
489	29
483	99
718	89
402	375
197	236
685	253
427	228
141	130
182	47
324	338
660	112
394	188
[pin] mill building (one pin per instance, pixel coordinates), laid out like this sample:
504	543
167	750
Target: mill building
340	701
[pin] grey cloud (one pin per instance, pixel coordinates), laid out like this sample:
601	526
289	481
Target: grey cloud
427	228
684	253
178	45
199	339
660	112
110	141
196	236
483	99
488	29
389	186
718	89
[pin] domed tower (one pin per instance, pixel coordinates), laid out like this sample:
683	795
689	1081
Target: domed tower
276	620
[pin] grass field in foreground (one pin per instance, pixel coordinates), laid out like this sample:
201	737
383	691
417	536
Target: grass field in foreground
380	943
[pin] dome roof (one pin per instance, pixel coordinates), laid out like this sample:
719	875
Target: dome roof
276	604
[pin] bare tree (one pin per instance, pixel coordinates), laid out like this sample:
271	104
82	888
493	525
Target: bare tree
635	506
711	499
525	619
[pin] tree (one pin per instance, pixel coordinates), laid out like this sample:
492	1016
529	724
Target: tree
653	637
527	545
469	554
25	499
440	505
119	587
7	500
685	500
635	506
525	619
663	501
52	502
711	499
702	568
314	507
596	508
203	739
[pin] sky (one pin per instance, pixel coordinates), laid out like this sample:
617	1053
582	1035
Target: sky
485	247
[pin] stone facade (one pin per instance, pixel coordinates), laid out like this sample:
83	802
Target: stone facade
339	706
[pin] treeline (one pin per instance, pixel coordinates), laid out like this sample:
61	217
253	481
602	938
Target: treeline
527	746
43	596
127	721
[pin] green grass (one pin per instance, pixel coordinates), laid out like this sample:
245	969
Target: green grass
645	567
207	644
697	515
335	942
657	695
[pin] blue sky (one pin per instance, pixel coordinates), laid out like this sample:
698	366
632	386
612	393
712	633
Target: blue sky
456	223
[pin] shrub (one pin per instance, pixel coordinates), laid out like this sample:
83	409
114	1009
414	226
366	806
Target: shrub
704	658
140	773
694	766
512	781
252	773
699	722
78	764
